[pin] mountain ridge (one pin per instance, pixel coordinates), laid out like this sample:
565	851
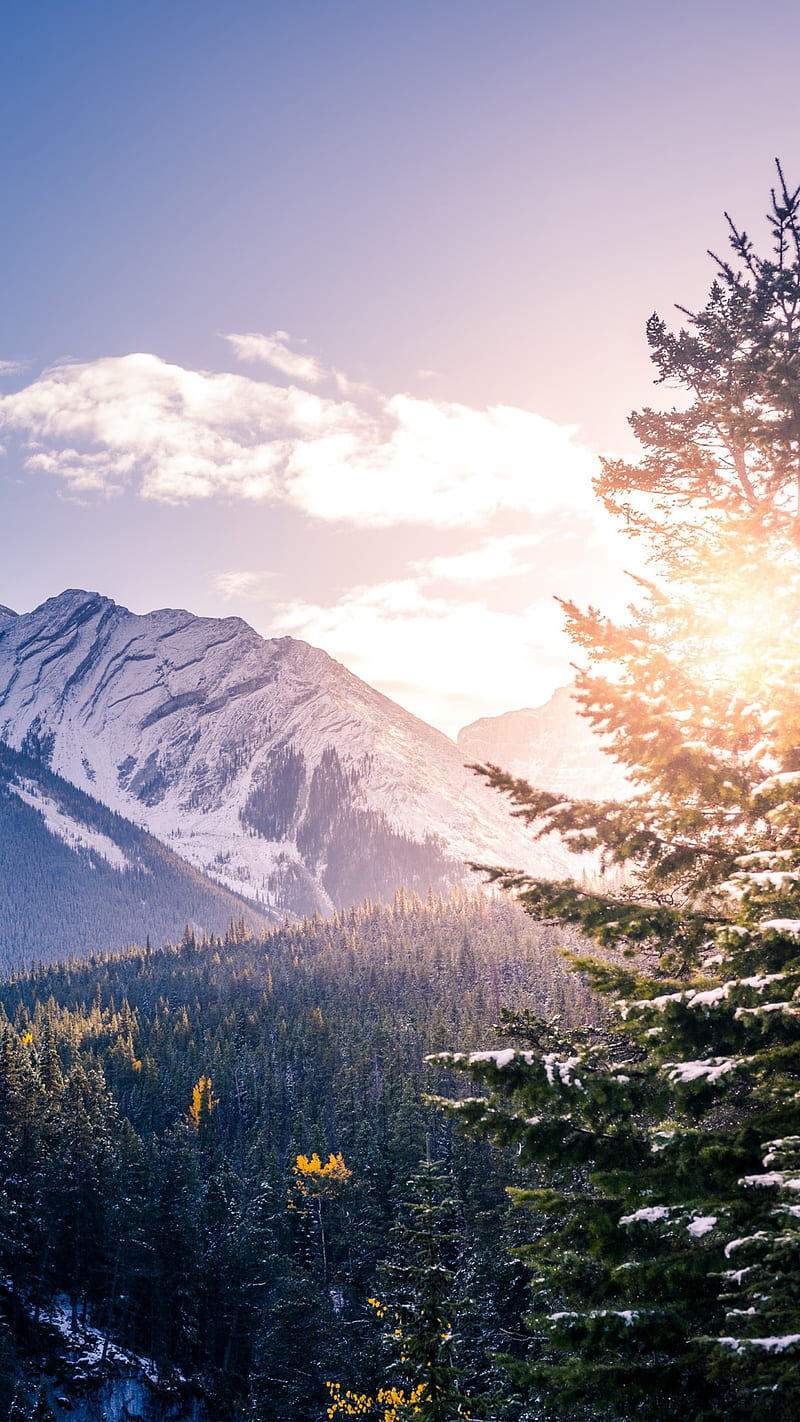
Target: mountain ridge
552	746
263	762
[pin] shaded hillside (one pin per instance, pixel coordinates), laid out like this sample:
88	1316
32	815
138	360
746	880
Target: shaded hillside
76	878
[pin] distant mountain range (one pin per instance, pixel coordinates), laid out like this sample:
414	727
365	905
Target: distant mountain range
552	747
262	763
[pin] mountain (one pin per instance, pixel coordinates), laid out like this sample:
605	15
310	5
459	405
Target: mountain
76	878
552	746
264	763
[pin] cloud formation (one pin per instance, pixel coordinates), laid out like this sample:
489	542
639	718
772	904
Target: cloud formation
274	350
496	559
177	435
438	640
447	659
472	633
240	582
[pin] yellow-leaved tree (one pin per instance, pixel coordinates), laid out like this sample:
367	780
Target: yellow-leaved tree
313	1185
203	1103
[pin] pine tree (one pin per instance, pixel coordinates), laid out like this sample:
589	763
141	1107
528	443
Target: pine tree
42	1408
423	1308
19	1410
664	1277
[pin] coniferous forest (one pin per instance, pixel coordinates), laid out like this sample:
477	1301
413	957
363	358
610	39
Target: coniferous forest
207	1149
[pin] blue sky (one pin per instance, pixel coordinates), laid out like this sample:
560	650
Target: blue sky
319	313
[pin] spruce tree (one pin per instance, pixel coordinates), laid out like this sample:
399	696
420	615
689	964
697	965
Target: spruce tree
423	1306
42	1408
664	1276
18	1411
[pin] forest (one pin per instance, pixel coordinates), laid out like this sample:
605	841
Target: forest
157	1106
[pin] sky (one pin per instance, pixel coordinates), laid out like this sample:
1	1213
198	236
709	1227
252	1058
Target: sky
320	314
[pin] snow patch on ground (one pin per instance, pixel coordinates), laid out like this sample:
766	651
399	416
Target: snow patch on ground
89	1344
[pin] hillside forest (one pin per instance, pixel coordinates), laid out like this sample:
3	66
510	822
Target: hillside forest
207	1150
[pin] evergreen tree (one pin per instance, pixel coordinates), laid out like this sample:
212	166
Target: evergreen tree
423	1307
19	1410
9	1369
42	1408
664	1275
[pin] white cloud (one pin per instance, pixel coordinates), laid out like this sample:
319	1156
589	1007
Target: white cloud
177	435
13	367
240	582
448	642
448	661
274	350
439	463
497	558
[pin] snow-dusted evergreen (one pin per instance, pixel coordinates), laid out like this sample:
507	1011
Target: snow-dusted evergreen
264	763
665	1279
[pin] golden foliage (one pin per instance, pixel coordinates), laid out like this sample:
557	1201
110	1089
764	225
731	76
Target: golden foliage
312	1179
203	1101
389	1404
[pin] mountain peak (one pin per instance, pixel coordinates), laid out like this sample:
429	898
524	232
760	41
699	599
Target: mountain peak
75	597
264	762
552	746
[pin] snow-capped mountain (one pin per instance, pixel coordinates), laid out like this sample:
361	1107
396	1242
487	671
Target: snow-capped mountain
551	746
262	762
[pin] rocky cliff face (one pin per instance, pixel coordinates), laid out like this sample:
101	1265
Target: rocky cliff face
88	1377
553	747
264	763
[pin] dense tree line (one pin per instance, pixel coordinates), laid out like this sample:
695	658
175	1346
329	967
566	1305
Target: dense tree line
206	1147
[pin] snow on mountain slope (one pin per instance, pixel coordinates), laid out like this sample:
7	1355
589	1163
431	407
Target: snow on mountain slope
75	877
65	827
553	747
263	762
